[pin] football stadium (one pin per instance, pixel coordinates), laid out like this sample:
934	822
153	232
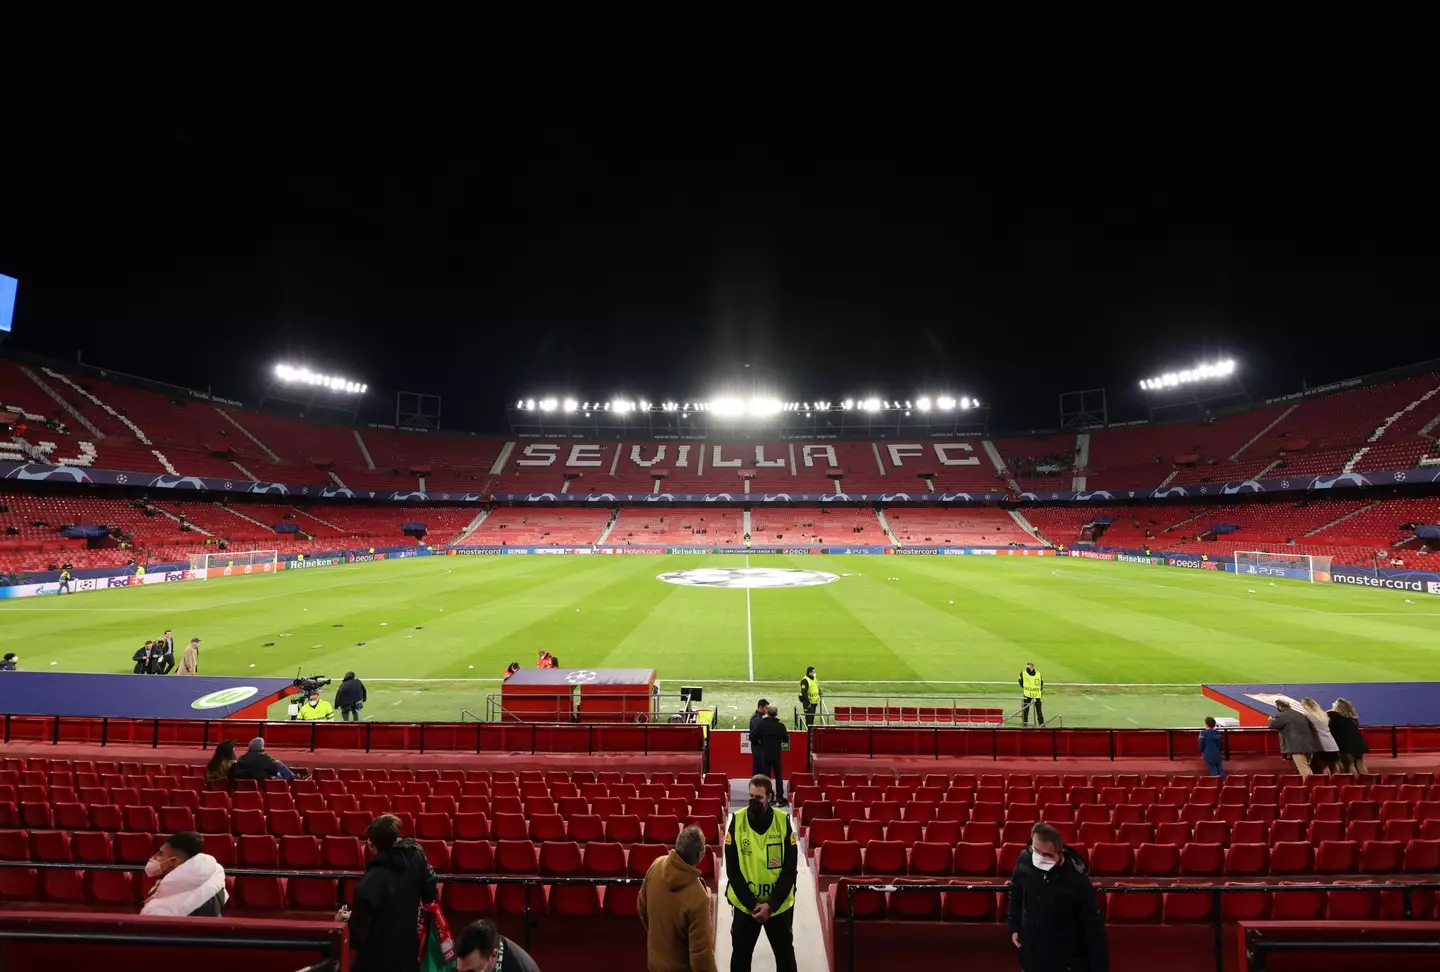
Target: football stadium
985	520
1282	549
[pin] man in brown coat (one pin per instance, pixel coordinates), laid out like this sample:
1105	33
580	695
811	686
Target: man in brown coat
190	659
675	910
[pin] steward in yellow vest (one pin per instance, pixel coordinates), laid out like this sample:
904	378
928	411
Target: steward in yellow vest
1032	688
761	864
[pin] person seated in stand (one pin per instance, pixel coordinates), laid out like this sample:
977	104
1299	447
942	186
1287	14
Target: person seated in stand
257	764
191	883
220	761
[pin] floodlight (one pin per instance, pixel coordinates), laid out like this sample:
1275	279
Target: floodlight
726	406
872	404
847	404
923	404
945	402
547	404
570	405
965	403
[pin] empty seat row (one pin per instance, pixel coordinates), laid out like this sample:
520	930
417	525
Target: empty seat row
121	889
1142	906
1067	781
1114	796
1089	834
894	858
1154	813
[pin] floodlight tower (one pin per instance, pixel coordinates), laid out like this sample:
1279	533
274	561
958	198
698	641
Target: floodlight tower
1195	392
314	391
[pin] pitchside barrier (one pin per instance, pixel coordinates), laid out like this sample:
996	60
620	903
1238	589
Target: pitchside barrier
1057	743
1379	578
364	737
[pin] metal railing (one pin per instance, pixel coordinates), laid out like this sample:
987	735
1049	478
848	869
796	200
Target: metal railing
1072	742
899	703
442	737
528	881
1217	891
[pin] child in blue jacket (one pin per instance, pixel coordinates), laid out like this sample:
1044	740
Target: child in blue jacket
1210	747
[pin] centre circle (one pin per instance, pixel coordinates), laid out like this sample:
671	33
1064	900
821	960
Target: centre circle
747	577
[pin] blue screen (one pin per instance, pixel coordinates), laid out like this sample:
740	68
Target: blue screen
8	286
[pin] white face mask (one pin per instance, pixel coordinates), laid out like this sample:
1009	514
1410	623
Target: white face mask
1042	863
314	703
154	868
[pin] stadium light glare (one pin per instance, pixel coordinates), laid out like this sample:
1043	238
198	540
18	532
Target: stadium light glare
763	406
1186	376
547	404
923	404
570	405
945	402
872	404
304	376
847	404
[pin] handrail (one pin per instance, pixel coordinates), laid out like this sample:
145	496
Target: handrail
528	881
204	733
1217	890
1179	743
1255	952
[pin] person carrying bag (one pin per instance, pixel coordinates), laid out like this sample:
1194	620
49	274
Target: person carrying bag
437	945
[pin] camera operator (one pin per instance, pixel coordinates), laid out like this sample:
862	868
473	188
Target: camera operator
350	698
316	709
308	687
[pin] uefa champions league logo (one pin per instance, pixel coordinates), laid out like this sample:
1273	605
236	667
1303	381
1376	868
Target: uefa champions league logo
751	577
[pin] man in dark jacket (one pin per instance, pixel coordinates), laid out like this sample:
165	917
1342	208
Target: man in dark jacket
1055	921
383	929
481	948
757	762
165	664
350	697
773	735
257	764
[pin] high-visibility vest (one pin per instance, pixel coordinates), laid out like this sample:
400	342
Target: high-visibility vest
812	691
762	857
1031	684
316	713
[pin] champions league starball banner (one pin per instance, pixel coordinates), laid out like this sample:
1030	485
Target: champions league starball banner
39	472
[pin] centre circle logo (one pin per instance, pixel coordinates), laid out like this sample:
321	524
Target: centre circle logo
740	577
224	697
581	677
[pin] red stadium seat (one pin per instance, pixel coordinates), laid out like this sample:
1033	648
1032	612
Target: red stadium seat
938	860
887	857
839	857
1202	860
1112	859
1287	857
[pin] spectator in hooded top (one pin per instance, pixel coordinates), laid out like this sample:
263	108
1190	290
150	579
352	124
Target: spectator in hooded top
1326	758
398	879
191	883
350	698
675	910
1345	727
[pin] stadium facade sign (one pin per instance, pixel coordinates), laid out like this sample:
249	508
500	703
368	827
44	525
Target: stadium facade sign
747	577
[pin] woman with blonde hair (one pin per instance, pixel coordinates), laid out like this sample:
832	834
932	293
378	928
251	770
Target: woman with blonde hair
1327	753
1345	727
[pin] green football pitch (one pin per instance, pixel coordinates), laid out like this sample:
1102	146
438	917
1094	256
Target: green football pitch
1118	644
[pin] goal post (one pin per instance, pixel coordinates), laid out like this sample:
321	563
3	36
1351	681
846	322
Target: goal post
233	563
1262	563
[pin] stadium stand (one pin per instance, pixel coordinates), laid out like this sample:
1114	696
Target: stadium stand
964	527
682	525
528	526
802	526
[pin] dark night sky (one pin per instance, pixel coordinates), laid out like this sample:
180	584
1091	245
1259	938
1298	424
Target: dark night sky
988	208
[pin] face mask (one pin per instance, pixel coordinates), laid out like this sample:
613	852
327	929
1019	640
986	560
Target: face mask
314	703
757	811
154	868
1042	863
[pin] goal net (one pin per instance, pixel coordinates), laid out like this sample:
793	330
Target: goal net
230	563
1259	563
